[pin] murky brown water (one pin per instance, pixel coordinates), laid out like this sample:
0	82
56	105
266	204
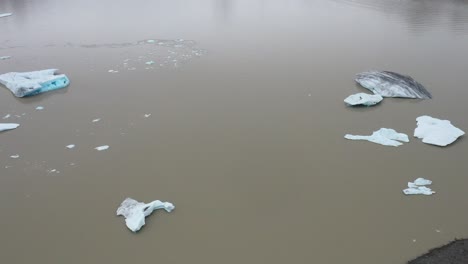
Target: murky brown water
245	137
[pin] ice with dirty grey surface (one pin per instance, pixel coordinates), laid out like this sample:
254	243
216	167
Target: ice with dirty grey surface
23	84
363	99
383	136
419	187
436	131
8	126
135	212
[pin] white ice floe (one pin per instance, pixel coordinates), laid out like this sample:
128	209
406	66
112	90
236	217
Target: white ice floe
14	156
150	41
6	116
96	120
5	14
5	57
383	136
8	126
150	62
147	115
70	146
363	99
113	71
23	84
40	108
419	187
135	212
436	131
102	147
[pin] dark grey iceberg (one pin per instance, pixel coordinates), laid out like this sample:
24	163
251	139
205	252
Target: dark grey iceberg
391	84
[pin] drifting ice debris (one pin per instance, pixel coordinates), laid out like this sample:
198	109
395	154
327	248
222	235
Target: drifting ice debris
23	84
102	147
8	126
112	71
70	146
5	14
391	84
147	115
418	187
150	41
5	57
135	212
6	116
96	120
363	99
150	62
383	136
40	108
436	131
14	156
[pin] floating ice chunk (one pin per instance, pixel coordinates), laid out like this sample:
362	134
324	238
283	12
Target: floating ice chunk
150	41
5	14
70	146
23	84
147	115
40	108
436	131
383	136
102	147
418	187
391	84
150	62
135	212
363	99
5	57
96	120
14	156
6	116
113	71
8	126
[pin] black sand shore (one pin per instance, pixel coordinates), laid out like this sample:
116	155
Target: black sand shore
456	252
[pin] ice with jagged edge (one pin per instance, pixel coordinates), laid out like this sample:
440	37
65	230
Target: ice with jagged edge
419	187
436	131
363	99
23	84
135	212
383	136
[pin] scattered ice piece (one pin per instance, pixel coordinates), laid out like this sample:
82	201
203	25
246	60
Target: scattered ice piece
147	115
8	126
414	240
391	84
135	212
113	71
132	69
53	170
40	108
102	147
96	120
437	230
6	14
436	131
418	187
6	116
363	99
5	57
150	41
383	136
70	146
150	62
14	156
23	84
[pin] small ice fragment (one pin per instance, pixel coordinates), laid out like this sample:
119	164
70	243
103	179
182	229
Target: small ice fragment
437	230
8	126
414	240
436	131
70	146
383	136
7	116
363	99
14	156
40	108
54	170
150	41
150	62
6	14
135	212
112	71
132	69
102	147
147	115
418	187
5	57
96	120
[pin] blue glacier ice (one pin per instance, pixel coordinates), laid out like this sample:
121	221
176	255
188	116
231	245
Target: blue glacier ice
23	84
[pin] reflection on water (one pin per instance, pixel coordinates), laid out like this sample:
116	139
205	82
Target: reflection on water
421	15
